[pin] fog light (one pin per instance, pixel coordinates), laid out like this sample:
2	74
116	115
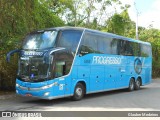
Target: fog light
16	91
46	94
17	85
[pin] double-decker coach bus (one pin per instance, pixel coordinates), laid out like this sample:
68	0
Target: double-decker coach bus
69	61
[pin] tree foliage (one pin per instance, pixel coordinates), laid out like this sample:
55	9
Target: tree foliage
152	35
17	18
119	23
81	12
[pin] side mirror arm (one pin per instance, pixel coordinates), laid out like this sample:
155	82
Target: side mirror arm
50	52
11	53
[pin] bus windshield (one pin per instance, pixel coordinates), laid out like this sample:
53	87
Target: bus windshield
40	40
36	68
33	69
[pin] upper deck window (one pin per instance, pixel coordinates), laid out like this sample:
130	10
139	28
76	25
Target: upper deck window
146	50
69	39
40	40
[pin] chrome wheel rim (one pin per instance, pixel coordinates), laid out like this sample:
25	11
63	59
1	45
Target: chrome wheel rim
138	83
79	91
131	85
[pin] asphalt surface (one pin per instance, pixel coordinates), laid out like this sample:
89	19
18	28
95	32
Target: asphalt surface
145	99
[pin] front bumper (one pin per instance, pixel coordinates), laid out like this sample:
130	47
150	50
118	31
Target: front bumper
43	90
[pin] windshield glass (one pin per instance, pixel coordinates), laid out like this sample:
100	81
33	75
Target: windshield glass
33	69
40	40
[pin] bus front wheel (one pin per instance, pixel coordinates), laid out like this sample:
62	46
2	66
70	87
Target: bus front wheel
131	85
78	92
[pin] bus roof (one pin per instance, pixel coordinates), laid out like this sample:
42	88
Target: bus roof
96	32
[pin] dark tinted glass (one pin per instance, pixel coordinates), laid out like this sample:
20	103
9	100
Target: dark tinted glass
125	48
89	44
69	39
113	46
107	45
103	44
145	50
136	49
95	43
101	48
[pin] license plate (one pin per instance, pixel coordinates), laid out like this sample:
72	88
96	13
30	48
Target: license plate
28	95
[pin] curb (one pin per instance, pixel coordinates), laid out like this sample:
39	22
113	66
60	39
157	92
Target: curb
3	97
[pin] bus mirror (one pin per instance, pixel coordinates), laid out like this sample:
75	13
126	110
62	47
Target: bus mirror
54	50
11	53
79	54
82	50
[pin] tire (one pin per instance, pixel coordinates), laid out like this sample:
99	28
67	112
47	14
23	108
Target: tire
137	84
78	92
131	85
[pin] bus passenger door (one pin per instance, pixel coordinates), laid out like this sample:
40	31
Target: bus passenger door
110	78
59	72
96	78
122	73
62	66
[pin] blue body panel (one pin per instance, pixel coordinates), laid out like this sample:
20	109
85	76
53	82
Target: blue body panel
106	76
99	72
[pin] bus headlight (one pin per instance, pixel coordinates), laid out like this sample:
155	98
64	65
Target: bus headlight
49	86
45	87
17	85
17	91
46	94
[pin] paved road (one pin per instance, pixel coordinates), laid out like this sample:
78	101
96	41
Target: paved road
147	98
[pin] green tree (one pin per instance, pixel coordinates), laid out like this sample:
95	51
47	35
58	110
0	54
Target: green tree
78	12
17	18
119	23
152	35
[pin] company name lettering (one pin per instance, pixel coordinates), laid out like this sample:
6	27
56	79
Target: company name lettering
106	60
33	53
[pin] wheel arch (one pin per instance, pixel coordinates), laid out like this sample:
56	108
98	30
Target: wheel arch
84	84
79	90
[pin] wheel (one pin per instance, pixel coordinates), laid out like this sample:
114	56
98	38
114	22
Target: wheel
78	92
131	85
137	84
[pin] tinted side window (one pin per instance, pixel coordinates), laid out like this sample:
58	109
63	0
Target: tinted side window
128	48
108	45
101	44
145	50
136	49
105	44
69	39
89	44
113	46
125	48
98	44
121	47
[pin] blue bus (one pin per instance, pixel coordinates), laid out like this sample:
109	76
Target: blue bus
71	61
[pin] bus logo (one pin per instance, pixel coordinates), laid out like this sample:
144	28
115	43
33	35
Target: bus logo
106	60
32	53
138	66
